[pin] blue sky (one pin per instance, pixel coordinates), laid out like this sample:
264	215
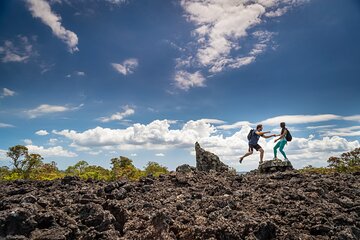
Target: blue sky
92	80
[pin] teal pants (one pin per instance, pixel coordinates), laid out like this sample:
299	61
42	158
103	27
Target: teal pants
280	145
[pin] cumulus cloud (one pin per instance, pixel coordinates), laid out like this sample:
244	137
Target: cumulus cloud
156	134
160	155
57	151
162	135
222	27
127	67
42	133
119	115
49	109
41	9
20	51
185	80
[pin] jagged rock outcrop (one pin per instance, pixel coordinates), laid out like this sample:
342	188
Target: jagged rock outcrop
206	161
190	205
272	166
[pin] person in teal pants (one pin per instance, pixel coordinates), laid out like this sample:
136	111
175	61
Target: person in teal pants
282	142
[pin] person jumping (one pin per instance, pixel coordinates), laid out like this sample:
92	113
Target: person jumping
253	142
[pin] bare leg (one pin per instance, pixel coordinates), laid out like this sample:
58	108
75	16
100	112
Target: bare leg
246	154
261	154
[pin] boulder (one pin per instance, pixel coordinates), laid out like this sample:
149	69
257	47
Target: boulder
185	168
272	166
206	161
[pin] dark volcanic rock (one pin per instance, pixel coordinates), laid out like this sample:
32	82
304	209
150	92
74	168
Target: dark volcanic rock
206	161
272	166
185	205
185	168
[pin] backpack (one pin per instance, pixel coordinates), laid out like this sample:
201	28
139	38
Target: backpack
250	134
288	136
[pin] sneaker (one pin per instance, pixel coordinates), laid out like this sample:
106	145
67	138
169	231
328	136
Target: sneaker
286	160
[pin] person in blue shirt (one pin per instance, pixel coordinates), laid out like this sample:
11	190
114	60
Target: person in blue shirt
253	143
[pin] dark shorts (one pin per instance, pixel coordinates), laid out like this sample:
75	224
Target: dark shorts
256	146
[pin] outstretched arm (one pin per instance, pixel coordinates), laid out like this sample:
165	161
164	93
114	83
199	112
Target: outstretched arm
273	135
262	134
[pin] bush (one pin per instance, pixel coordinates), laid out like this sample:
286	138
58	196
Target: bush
155	169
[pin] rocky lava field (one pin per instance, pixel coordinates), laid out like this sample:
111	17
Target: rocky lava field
185	205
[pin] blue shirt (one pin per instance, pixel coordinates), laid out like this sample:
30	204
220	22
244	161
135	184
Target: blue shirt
254	138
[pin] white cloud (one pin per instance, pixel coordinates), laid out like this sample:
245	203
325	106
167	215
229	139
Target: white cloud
127	67
5	125
300	119
353	131
3	155
94	153
53	141
20	52
212	121
7	93
278	12
117	2
320	127
221	29
57	151
160	155
49	109
234	125
41	9
80	73
119	115
133	155
27	141
185	80
42	133
160	135
156	134
353	118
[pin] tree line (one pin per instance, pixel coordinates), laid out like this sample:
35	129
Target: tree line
25	165
348	162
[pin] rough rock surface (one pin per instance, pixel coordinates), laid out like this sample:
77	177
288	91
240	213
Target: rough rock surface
272	166
194	205
185	168
206	161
